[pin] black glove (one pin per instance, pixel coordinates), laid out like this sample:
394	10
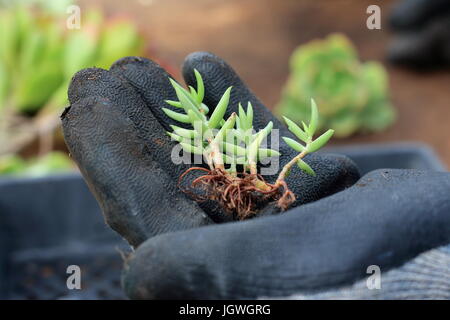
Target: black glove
386	219
423	37
114	129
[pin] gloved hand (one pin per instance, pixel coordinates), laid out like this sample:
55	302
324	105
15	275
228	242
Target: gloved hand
114	129
422	33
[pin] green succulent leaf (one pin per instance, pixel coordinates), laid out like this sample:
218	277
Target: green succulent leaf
266	131
267	153
193	117
200	86
321	141
305	167
183	118
175	137
204	108
233	149
185	133
220	110
191	149
305	127
296	130
185	99
228	125
242	117
294	144
253	151
256	143
193	93
314	119
173	103
249	115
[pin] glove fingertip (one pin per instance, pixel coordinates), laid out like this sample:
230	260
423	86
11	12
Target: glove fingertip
218	76
79	86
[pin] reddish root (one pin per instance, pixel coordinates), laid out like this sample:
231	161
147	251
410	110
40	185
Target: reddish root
237	195
287	197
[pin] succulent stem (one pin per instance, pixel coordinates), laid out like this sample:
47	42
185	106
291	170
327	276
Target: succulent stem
215	155
287	167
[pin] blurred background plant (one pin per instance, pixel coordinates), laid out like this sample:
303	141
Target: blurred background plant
52	162
257	37
353	96
38	57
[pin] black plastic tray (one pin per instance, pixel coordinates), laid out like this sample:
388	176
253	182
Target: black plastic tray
47	224
369	157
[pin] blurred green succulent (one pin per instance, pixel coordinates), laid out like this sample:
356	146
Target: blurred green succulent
39	54
353	96
55	6
50	163
38	57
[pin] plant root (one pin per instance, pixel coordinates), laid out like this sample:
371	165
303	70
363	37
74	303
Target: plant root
237	195
287	196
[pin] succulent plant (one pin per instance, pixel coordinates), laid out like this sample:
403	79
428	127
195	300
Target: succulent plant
353	96
220	141
305	135
39	55
232	149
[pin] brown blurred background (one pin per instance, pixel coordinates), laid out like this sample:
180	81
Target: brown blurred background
257	37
